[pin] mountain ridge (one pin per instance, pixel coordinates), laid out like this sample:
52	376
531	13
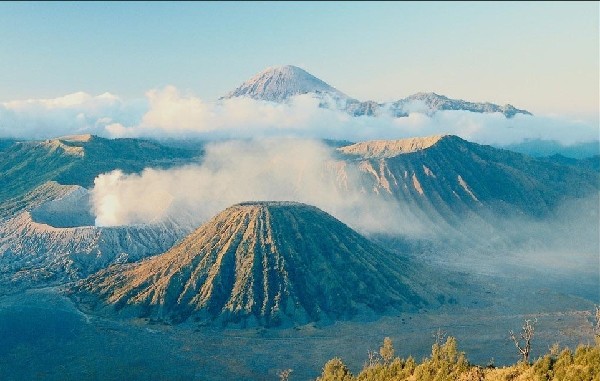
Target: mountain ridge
77	160
281	83
447	172
439	183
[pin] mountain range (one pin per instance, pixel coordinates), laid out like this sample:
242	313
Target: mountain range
281	83
443	183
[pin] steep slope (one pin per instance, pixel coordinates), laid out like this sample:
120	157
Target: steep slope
77	160
279	83
265	263
477	208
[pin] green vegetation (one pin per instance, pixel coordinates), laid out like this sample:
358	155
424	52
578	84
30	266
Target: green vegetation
447	363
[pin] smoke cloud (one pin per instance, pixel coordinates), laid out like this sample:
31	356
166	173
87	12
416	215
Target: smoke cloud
167	113
236	171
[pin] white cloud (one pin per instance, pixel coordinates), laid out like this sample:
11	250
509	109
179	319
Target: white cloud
237	171
171	114
168	113
76	113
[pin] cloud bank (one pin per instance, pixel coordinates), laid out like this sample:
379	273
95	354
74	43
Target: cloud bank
167	113
77	113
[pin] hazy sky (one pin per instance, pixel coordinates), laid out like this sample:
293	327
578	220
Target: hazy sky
540	56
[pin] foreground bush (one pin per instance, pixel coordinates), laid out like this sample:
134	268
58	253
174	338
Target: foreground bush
446	363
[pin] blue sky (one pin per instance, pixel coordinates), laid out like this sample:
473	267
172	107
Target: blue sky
542	57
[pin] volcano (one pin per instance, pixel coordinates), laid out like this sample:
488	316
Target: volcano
261	263
279	83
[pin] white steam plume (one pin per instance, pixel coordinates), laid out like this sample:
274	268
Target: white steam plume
237	171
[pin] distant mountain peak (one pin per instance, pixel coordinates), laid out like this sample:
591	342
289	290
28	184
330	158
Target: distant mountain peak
436	102
279	83
430	94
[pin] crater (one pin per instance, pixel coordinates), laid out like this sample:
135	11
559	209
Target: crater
70	211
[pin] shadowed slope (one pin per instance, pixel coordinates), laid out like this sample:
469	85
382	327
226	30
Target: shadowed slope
266	263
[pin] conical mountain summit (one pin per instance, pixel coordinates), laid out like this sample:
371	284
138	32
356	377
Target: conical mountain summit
279	83
261	263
